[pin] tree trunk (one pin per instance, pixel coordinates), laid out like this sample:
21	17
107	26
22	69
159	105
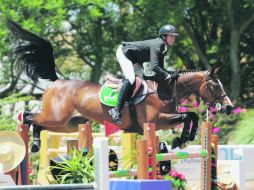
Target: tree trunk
96	69
235	65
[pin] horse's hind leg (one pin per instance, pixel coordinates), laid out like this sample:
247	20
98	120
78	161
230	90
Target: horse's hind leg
28	119
46	121
36	138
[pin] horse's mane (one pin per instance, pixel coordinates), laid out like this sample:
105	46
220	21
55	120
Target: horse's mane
188	71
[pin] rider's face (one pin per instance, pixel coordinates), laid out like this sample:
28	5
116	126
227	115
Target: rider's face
170	39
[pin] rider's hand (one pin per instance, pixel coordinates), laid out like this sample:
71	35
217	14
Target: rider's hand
168	77
175	75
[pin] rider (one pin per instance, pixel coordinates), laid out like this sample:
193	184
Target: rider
153	50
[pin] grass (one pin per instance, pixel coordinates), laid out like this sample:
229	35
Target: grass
244	129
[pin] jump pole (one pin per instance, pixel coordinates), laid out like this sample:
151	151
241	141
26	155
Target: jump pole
50	141
215	141
149	135
85	137
22	130
128	147
101	151
206	163
142	161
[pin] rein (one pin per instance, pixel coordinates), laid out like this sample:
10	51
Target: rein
215	103
147	94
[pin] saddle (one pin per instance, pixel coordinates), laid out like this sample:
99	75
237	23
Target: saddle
109	96
109	91
113	82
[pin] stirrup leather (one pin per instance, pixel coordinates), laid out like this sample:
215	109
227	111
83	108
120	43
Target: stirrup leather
116	116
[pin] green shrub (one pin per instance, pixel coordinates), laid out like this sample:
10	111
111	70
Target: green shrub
77	169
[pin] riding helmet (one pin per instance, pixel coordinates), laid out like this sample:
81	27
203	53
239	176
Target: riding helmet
168	29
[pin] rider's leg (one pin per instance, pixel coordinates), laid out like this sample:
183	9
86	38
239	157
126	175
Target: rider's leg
123	95
128	71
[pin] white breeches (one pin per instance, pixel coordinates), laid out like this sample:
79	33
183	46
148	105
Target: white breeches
126	65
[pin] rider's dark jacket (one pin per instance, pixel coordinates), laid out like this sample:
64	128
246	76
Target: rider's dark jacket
152	51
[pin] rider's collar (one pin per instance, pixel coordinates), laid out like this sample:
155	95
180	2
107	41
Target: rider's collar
165	49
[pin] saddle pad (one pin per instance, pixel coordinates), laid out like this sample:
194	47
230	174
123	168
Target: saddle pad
108	96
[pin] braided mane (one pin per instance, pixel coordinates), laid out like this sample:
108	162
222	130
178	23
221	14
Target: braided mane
189	71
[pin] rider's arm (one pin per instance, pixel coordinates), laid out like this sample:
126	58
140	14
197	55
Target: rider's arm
155	62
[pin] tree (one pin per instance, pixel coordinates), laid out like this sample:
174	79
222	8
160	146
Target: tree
215	30
78	29
85	34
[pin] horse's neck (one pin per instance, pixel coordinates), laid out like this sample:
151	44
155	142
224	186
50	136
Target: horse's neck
189	83
152	85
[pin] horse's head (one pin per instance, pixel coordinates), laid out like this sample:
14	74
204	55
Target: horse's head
211	91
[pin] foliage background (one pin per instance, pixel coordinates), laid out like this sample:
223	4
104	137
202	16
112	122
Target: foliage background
86	33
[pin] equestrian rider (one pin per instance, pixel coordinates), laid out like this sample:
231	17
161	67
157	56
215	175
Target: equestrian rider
153	50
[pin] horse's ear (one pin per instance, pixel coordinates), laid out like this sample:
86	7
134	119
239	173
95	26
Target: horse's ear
214	69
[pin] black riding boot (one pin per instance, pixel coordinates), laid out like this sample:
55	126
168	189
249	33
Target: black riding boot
122	97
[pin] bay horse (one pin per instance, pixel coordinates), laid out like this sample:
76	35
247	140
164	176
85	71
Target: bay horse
64	98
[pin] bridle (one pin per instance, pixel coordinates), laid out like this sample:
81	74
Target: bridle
217	101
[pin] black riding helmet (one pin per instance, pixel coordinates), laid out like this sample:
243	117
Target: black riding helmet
167	29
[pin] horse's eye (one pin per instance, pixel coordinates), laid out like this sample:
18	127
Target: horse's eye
217	86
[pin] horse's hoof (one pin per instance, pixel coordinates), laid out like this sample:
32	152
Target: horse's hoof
187	143
192	138
35	146
184	145
175	143
165	169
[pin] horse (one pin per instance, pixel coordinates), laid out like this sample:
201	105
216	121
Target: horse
64	98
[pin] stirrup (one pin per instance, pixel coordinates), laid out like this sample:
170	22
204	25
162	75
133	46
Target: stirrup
115	115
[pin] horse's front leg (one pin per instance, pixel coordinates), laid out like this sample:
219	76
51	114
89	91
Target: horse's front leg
188	133
169	121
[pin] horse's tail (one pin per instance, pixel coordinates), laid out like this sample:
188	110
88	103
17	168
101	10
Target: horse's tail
34	56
